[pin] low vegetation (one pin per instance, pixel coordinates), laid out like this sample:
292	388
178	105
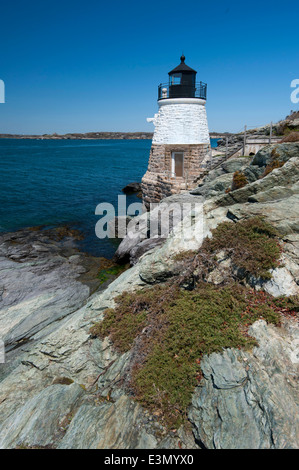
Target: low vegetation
252	245
124	323
199	322
291	137
273	165
239	180
285	128
169	328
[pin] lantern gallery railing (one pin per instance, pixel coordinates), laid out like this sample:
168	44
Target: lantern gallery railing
182	90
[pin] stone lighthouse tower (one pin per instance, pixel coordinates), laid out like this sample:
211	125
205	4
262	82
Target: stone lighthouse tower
181	139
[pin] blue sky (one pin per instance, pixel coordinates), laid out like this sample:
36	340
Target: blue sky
74	66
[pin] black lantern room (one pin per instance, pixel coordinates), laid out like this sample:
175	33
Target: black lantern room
182	84
182	81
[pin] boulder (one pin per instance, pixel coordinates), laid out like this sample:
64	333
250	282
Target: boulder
229	166
188	235
152	228
132	188
235	164
137	231
253	173
144	247
214	187
217	181
281	152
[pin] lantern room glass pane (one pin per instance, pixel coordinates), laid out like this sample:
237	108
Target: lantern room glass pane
176	79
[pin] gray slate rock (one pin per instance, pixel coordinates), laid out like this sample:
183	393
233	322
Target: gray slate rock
40	421
286	176
246	399
118	425
214	187
250	400
280	152
144	247
39	282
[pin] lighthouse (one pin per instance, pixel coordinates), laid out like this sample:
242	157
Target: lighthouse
181	140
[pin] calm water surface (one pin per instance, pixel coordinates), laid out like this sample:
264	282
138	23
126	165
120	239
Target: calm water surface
48	182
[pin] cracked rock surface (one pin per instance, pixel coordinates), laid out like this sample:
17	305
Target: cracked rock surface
249	400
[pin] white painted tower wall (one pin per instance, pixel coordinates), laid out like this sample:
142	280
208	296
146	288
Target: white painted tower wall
181	121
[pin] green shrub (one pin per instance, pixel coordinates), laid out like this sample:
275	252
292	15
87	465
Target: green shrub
287	304
252	244
171	329
125	322
199	322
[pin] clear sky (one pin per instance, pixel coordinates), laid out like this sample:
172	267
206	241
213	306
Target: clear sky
79	66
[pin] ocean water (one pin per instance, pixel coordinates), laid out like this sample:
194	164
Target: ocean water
56	182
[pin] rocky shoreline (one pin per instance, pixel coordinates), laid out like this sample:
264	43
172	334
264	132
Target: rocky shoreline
66	387
44	277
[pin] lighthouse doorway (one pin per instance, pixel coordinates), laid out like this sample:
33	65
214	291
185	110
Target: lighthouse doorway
177	164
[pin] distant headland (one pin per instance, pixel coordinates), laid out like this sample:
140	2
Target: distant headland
86	136
91	135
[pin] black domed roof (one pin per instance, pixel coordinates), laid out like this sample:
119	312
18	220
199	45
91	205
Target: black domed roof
182	67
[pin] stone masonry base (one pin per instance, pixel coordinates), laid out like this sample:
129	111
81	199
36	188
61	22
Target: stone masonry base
158	182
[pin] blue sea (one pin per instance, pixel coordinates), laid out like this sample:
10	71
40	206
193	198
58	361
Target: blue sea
56	182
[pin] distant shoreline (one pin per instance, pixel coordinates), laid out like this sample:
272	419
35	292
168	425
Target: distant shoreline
93	136
81	136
